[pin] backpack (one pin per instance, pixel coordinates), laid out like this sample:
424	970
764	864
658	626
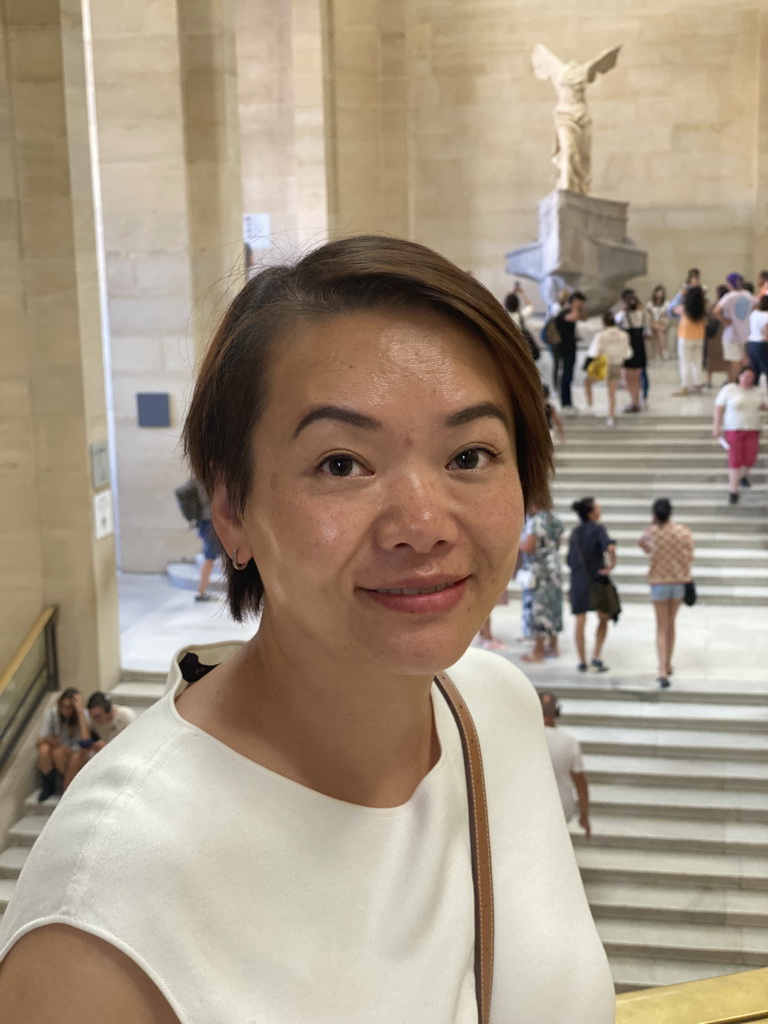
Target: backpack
549	332
535	351
189	502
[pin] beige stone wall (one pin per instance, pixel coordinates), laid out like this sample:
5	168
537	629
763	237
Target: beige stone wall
53	379
442	97
282	120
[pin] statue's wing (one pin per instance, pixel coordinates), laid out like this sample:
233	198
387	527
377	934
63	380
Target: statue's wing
545	64
605	62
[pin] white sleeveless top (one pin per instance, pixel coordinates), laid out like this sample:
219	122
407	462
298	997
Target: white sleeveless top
250	899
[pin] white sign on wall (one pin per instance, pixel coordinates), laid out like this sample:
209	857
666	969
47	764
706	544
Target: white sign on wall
103	514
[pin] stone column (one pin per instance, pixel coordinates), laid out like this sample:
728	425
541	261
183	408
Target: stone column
51	362
283	121
212	146
760	219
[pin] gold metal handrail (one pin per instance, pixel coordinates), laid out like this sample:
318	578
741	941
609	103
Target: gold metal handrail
26	646
729	999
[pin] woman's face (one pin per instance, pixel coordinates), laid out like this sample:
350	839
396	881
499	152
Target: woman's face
747	378
596	513
386	506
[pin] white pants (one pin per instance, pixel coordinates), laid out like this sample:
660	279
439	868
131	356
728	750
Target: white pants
690	354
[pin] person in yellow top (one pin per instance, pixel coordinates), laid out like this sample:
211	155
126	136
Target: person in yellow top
691	330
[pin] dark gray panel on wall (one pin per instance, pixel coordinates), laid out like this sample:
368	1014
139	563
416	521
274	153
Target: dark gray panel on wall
153	410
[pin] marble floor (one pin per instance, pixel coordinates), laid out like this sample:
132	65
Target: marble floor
717	646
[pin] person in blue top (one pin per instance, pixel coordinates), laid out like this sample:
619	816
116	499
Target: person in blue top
591	554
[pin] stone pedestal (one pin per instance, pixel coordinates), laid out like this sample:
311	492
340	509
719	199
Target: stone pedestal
582	246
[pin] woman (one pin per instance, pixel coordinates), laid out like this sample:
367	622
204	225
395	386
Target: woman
670	547
632	319
691	331
714	361
370	428
543	592
658	319
591	557
613	344
63	740
737	422
757	346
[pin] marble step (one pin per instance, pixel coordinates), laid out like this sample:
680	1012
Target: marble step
644	714
648	832
708	869
623	454
737	908
685	773
737	594
629	513
628	688
713	744
634	973
7	885
26	830
709	804
46	809
723	944
636	571
709	543
12	860
706	555
618	471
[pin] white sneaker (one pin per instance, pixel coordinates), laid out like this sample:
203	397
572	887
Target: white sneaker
610	422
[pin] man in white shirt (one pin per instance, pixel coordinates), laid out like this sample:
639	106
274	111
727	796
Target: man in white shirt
107	719
565	752
734	309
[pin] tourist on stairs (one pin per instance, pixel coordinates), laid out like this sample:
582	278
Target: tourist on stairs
633	319
737	421
670	548
591	555
691	330
543	588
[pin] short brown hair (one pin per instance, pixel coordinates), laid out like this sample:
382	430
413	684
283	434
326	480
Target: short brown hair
364	272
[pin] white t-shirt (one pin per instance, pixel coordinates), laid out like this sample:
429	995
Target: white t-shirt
613	343
758	319
737	306
108	730
565	752
245	896
742	407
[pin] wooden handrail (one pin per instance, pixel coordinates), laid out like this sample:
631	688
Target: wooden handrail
729	999
26	646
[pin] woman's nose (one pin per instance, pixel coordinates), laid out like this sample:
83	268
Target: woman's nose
417	512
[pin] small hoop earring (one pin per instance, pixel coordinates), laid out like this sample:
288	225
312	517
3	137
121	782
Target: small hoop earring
235	562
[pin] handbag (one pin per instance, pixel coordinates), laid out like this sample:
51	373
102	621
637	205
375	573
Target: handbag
598	367
690	594
606	597
524	578
480	841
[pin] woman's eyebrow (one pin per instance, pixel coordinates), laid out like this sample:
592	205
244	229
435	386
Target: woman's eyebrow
358	419
341	415
477	412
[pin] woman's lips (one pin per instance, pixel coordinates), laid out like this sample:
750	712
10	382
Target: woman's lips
421	597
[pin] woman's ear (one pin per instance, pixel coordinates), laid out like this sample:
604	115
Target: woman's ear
228	525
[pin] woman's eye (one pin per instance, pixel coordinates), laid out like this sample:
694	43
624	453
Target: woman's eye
341	465
472	458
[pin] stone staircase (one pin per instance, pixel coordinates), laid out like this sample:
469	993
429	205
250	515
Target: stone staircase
643	458
676	870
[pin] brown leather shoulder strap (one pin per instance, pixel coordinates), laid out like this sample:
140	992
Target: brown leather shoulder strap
481	846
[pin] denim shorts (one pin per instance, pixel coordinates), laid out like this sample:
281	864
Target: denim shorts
667	591
211	544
